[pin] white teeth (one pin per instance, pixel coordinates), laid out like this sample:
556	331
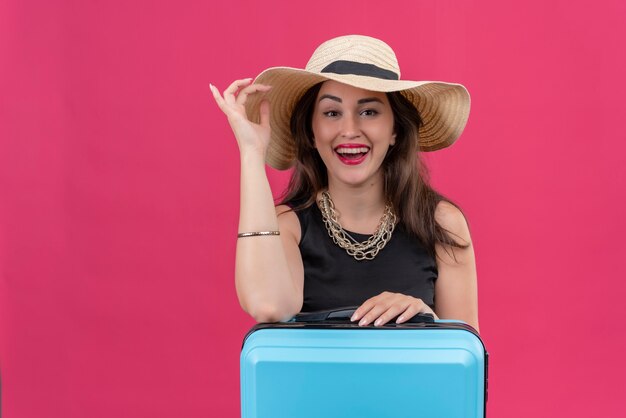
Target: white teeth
360	150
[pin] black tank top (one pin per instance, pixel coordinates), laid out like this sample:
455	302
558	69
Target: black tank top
334	279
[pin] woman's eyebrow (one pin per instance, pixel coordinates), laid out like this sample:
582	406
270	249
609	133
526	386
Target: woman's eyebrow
360	101
369	99
328	96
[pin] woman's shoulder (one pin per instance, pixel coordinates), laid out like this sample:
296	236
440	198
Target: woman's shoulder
288	221
286	212
452	219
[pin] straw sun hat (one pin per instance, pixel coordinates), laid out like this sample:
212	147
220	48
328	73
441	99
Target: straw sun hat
367	63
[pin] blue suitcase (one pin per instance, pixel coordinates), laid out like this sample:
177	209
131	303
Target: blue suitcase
323	366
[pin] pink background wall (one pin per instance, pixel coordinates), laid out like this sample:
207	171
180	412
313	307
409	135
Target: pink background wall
119	188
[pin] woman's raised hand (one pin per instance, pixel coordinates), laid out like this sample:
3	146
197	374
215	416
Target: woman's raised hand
382	308
250	136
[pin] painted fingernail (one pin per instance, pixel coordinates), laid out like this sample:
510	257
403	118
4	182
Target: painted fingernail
354	317
400	319
363	322
378	322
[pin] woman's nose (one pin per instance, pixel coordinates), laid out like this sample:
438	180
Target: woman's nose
350	127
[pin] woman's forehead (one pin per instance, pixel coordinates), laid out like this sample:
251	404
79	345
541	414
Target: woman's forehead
347	92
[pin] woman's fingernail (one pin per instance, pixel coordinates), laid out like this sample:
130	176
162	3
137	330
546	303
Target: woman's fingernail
400	319
363	322
354	318
378	322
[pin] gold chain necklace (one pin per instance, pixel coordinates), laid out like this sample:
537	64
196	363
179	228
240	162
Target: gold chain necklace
367	249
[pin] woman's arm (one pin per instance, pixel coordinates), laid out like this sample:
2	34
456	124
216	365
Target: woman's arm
456	295
269	287
455	288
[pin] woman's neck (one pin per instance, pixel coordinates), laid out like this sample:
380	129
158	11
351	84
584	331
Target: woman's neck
359	207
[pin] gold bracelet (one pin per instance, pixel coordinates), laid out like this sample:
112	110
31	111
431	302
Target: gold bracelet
257	234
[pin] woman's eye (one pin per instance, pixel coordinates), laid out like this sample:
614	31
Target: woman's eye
331	113
369	112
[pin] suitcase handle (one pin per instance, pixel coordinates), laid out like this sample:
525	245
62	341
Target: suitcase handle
344	314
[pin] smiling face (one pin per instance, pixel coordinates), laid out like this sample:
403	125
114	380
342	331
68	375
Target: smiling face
352	129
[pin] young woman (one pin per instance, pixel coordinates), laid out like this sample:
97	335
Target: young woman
359	225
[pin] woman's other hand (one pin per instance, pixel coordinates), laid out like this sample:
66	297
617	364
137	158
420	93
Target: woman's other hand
250	136
383	308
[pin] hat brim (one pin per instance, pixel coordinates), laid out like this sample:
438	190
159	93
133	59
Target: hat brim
444	107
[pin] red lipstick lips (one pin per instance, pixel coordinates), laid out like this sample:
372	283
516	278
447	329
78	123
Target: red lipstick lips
352	154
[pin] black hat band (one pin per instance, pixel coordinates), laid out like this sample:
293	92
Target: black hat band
358	68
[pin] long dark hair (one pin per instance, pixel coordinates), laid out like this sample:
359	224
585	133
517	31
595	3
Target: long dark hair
405	176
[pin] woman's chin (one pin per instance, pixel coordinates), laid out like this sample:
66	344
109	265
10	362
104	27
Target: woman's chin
356	178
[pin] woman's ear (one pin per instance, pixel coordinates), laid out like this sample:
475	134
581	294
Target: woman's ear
393	140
